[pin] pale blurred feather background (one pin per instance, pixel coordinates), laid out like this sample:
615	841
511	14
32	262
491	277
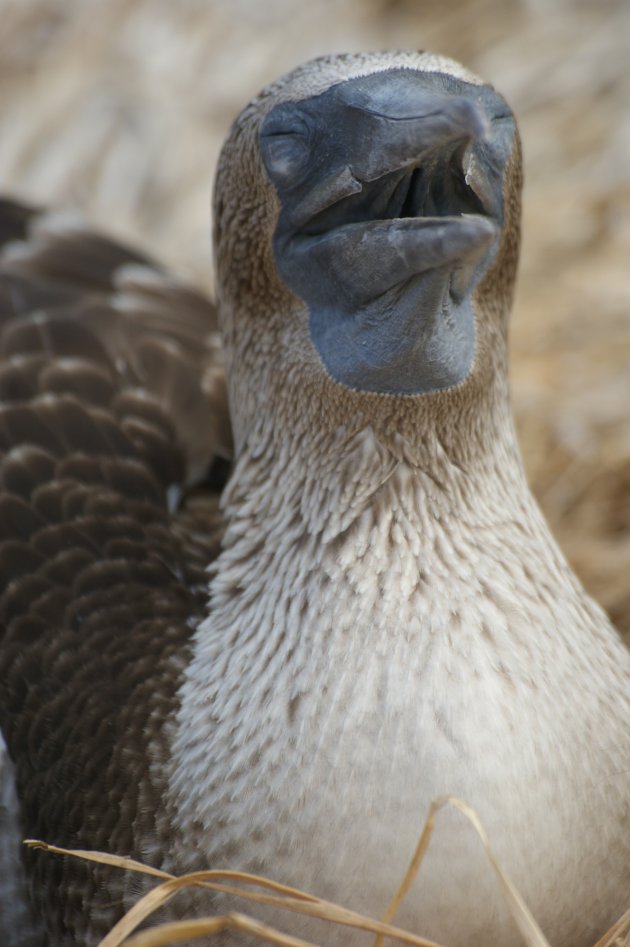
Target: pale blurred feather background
118	108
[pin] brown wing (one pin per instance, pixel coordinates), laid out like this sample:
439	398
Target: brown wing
112	399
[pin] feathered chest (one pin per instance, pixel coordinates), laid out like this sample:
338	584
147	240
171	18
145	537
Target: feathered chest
358	676
386	641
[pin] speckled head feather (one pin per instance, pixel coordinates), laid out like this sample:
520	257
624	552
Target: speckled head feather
258	312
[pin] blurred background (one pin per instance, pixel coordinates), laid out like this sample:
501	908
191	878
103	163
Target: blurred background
117	108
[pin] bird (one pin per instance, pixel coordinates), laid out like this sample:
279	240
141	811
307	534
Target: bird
272	575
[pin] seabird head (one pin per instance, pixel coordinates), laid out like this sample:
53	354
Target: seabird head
379	211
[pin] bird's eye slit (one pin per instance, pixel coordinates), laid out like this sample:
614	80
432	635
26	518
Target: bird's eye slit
284	133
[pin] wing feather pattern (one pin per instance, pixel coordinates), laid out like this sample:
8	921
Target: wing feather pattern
112	401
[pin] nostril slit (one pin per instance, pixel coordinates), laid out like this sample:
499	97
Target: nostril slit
465	198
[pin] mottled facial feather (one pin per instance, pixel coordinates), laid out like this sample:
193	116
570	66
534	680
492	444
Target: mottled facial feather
257	305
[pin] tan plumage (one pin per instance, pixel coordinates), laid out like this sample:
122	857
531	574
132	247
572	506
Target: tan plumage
390	618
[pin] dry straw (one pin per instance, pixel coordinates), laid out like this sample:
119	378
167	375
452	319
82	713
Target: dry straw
244	885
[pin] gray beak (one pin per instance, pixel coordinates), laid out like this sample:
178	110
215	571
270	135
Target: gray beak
386	181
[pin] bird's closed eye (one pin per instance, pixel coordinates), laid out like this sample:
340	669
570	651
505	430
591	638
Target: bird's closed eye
285	149
286	157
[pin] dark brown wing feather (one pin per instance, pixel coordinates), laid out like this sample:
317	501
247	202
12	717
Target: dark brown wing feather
112	397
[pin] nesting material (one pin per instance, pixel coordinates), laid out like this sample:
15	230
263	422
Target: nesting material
240	884
243	885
